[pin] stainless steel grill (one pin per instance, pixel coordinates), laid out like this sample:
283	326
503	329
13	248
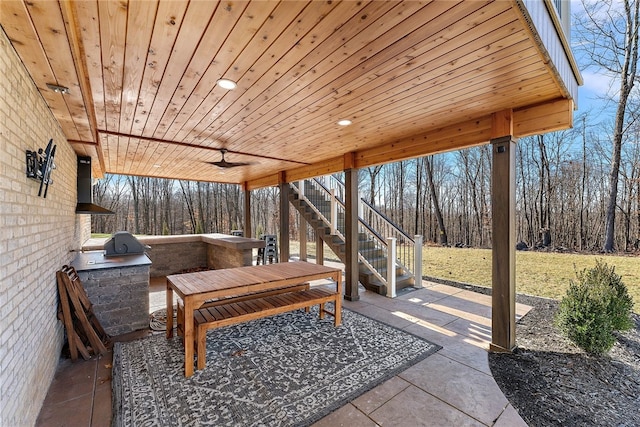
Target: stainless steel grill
123	243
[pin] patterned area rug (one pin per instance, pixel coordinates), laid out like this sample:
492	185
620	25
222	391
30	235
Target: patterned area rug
287	370
158	319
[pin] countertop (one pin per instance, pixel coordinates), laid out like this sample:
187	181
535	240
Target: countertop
96	260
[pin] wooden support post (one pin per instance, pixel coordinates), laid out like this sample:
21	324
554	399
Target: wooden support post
334	212
319	249
303	238
501	124
303	225
417	261
391	267
247	213
284	219
503	195
351	235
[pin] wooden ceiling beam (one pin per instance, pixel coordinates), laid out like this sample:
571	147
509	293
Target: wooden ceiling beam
326	167
78	53
476	132
447	138
528	121
265	181
194	146
543	118
502	124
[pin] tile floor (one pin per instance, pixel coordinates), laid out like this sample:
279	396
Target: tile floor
452	387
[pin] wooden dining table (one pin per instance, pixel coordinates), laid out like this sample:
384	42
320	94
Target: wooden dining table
196	288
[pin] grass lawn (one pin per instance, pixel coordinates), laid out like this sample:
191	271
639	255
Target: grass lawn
537	273
99	235
545	274
103	235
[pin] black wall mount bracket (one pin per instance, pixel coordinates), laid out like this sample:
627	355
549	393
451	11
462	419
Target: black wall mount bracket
39	166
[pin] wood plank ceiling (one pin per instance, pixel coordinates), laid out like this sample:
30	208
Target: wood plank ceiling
413	77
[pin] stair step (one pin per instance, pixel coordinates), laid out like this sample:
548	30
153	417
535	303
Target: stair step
372	253
378	288
368	246
402	282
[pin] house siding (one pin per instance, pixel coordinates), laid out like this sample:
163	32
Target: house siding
551	37
37	236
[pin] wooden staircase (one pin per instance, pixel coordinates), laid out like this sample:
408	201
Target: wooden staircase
373	254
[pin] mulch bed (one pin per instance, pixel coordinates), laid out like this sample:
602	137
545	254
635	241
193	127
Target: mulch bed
552	382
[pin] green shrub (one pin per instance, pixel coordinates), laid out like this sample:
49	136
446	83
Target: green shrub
594	307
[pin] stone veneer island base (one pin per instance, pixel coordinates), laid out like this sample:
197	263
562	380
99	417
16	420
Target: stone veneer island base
118	288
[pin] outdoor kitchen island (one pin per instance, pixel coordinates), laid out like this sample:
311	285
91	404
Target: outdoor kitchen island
179	253
118	288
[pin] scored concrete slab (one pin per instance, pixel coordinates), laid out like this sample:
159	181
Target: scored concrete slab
466	350
469	390
510	418
373	399
346	416
416	408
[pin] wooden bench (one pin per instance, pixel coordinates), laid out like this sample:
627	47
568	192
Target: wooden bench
231	313
238	298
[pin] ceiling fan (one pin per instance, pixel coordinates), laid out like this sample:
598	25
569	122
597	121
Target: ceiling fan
225	164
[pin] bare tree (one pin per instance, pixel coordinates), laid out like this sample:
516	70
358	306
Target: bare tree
442	231
373	173
609	36
189	203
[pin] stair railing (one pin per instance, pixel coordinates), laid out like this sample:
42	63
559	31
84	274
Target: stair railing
317	201
408	249
374	224
405	244
330	209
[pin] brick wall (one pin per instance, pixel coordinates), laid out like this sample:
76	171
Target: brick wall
36	238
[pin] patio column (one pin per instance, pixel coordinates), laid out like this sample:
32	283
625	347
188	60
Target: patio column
351	229
303	238
503	196
319	249
247	212
284	219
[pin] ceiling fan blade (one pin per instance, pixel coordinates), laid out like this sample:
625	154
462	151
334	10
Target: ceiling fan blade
225	164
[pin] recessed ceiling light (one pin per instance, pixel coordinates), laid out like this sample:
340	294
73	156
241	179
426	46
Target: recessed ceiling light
156	166
58	89
344	122
227	84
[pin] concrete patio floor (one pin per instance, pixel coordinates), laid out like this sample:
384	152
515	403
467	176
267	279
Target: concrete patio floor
452	387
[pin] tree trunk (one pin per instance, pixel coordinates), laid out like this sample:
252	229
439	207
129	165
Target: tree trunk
418	192
186	192
625	68
136	205
442	232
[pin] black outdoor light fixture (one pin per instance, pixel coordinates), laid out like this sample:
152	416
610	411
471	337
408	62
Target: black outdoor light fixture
39	166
